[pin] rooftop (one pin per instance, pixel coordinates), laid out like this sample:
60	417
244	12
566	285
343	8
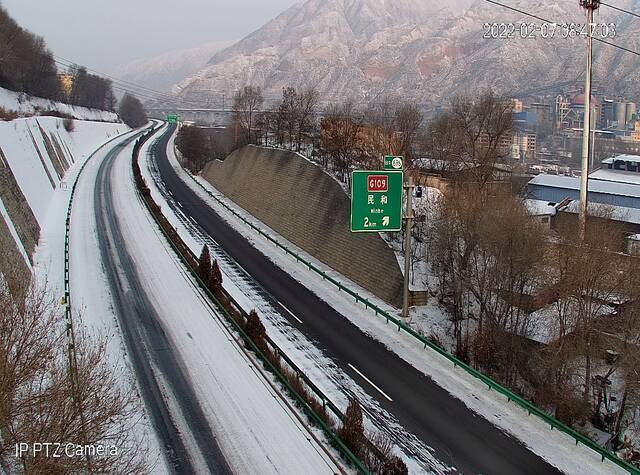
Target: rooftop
623	158
619	176
540	208
595	185
618	213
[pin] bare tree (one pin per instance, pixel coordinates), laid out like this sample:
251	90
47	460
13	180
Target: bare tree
408	120
471	138
246	104
440	145
339	137
38	403
287	113
380	120
25	63
305	114
586	278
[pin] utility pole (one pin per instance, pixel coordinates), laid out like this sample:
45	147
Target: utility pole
590	6
408	220
593	149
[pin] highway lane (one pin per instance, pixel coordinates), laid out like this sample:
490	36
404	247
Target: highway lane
459	436
146	341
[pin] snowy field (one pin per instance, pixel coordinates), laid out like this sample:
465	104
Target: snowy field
554	446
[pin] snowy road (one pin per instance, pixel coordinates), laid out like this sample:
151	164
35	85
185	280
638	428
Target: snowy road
459	436
212	409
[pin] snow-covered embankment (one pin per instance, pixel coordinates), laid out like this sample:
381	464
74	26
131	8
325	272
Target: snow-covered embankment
38	157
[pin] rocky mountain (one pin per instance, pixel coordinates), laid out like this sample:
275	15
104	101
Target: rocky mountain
163	71
423	50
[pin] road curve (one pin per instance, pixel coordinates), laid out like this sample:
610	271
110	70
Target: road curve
460	437
146	341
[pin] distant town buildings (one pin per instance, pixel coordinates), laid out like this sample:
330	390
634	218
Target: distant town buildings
517	105
548	129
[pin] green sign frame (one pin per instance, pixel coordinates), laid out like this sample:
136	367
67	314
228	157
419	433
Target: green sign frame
172	118
376	201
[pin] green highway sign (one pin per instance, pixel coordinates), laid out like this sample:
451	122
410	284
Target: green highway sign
376	201
393	163
172	118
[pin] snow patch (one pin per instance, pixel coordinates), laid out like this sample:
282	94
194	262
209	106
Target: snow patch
25	104
25	149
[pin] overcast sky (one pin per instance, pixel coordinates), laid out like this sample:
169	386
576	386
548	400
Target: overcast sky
101	34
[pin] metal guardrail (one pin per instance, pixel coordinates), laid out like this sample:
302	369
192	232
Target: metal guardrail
326	402
68	314
67	297
491	384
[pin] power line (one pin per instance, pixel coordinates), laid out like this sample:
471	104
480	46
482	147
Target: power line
125	88
620	9
519	11
60	59
522	12
129	86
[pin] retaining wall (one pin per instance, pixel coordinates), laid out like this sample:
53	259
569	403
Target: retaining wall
309	208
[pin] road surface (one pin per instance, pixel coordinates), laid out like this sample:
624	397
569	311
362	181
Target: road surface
460	437
145	338
213	408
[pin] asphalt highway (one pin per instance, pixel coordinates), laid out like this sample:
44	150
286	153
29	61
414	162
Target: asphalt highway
459	437
146	342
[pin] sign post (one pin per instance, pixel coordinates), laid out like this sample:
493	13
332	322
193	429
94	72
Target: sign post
376	206
407	246
376	201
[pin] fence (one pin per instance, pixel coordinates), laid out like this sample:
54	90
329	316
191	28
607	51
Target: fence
510	395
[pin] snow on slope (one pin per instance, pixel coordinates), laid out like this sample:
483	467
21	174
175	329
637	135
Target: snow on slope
27	105
426	50
24	145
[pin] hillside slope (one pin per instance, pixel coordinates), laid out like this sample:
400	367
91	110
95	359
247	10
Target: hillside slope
25	105
425	51
163	71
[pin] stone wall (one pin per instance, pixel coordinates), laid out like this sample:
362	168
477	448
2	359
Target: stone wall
309	208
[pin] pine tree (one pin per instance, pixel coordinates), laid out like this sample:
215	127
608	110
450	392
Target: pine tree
204	264
395	466
352	430
255	329
215	278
